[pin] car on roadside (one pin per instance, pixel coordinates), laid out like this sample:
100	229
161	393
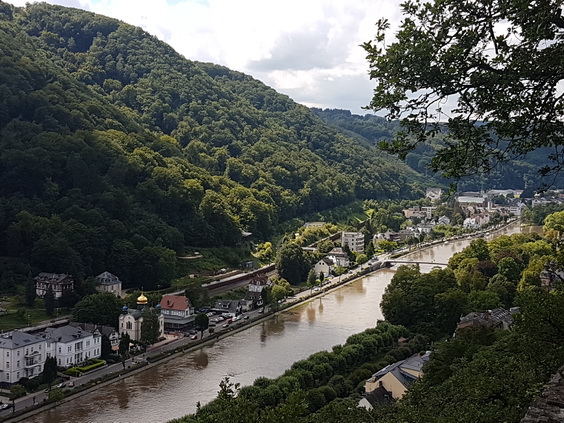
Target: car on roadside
194	337
71	384
5	405
226	325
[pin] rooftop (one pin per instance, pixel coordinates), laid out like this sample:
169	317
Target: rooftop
17	339
175	302
65	334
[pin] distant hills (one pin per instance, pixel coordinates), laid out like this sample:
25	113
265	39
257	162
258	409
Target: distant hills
372	130
116	152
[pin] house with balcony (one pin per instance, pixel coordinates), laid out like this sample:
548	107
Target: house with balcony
354	240
71	345
177	311
56	281
21	355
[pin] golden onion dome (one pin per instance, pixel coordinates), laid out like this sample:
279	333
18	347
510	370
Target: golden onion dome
142	300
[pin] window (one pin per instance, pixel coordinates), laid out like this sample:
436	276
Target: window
70	348
129	326
18	363
7	364
60	350
18	374
7	353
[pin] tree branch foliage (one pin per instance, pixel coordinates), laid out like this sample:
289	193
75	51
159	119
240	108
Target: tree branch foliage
499	61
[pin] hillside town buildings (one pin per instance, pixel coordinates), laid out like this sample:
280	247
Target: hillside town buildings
55	281
108	282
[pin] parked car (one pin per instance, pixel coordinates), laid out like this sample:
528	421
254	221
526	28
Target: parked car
6	405
194	337
226	325
71	384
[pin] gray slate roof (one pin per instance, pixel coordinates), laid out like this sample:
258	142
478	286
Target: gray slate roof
17	339
398	369
65	334
107	278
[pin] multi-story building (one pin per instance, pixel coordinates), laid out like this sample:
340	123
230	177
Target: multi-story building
177	311
72	345
58	283
354	240
21	355
108	282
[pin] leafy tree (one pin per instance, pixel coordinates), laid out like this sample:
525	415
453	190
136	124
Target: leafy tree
102	309
150	330
386	245
292	264
16	391
30	292
49	370
278	293
202	322
311	279
106	348
50	301
505	85
482	301
554	225
123	348
56	395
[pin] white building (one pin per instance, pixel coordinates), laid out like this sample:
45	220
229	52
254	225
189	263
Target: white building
72	345
339	257
108	282
177	311
354	240
131	320
21	355
324	265
57	282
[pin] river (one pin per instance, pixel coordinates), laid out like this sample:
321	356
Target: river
172	389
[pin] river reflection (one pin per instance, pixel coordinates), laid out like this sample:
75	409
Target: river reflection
172	389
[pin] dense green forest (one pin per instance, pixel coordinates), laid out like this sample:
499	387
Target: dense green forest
117	153
372	130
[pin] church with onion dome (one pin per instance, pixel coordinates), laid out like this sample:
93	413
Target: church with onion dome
131	319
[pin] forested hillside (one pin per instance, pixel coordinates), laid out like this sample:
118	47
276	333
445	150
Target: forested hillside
116	153
372	130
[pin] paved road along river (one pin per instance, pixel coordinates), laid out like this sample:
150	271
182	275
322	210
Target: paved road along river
172	389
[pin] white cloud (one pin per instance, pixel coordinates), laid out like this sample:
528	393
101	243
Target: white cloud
307	49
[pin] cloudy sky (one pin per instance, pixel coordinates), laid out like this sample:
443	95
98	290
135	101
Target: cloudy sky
307	49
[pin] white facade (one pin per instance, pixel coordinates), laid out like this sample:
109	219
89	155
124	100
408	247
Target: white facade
354	240
131	321
72	345
21	355
339	257
324	265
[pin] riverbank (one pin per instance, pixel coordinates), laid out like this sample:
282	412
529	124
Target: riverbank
263	350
